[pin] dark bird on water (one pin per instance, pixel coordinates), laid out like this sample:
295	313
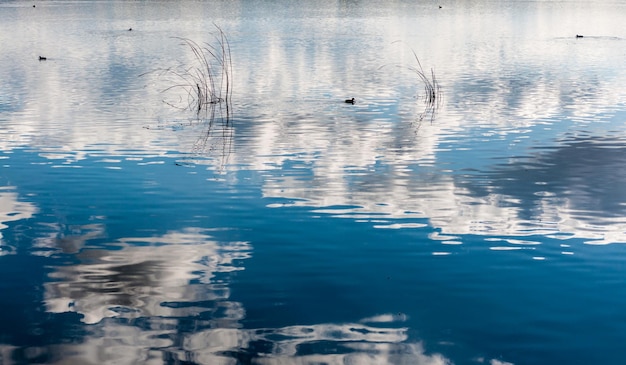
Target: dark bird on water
41	58
129	29
350	101
578	36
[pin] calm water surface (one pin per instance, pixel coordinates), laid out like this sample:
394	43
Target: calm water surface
307	230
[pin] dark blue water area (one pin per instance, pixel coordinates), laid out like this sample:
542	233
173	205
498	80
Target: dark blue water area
308	268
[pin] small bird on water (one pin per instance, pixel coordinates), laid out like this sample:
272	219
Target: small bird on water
578	36
350	101
41	58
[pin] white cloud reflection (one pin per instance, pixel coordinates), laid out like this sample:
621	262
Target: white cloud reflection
119	343
123	344
12	210
170	279
146	277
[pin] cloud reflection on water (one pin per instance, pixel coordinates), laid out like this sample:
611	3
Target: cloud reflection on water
115	342
579	188
575	190
157	299
145	277
13	210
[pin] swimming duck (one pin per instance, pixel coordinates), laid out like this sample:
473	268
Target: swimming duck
41	58
578	36
130	29
350	101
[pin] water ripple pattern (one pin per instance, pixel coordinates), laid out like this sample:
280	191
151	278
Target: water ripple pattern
467	205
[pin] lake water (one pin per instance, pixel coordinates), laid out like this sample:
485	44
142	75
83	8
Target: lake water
487	228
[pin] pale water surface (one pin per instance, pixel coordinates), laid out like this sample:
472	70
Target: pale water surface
307	230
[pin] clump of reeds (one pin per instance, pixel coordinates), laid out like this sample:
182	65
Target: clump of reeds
203	87
432	89
206	84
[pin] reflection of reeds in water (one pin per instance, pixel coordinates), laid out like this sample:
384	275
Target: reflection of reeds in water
215	143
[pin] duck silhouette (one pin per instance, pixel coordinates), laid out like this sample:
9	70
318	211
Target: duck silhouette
350	101
579	36
41	58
